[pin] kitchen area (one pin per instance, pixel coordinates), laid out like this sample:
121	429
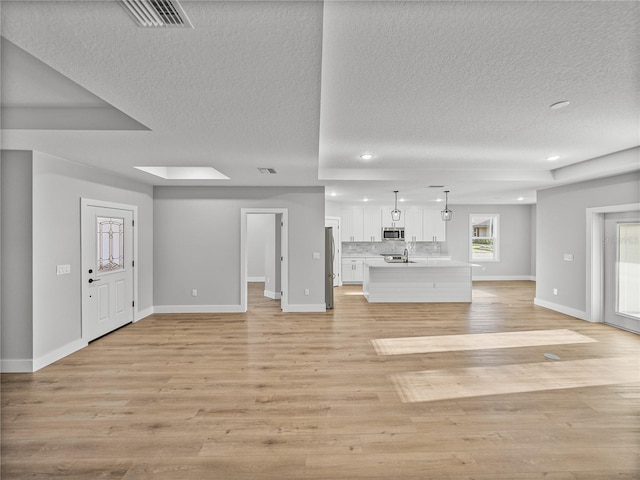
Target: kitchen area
399	259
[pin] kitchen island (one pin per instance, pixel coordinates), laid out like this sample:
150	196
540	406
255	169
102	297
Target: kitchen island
417	281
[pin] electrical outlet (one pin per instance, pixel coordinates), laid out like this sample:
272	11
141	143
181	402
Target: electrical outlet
555	291
194	292
267	280
568	257
306	291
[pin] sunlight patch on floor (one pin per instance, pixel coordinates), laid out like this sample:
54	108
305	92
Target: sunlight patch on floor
456	383
476	341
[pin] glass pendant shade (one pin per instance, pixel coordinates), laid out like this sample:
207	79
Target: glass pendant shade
395	213
446	214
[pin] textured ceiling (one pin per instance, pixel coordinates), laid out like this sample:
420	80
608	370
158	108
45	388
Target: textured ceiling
441	93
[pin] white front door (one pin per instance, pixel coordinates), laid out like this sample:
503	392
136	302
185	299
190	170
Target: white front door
107	269
622	270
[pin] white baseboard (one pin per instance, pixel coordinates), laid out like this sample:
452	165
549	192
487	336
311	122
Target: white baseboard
13	365
29	366
58	353
502	278
561	309
255	279
306	308
198	309
140	314
272	295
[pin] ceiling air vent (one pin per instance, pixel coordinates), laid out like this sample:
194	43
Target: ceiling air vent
269	171
436	186
157	13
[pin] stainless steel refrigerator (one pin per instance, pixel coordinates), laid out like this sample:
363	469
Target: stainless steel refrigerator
329	254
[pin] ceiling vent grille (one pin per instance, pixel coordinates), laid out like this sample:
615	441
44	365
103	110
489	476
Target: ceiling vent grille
267	171
157	13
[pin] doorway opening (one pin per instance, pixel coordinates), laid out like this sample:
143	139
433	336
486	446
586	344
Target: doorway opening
264	257
264	260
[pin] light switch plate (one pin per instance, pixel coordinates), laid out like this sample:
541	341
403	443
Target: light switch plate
568	257
316	255
63	269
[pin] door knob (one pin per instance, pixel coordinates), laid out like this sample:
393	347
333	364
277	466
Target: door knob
91	280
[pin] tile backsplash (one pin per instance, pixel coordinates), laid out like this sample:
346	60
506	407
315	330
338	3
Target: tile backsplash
392	246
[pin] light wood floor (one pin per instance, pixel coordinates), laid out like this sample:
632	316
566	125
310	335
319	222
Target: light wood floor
267	395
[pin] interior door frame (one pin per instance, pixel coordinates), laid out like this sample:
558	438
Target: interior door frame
86	203
595	257
284	252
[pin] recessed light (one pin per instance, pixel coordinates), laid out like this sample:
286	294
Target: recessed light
366	156
559	105
551	158
365	199
520	199
333	194
438	199
401	200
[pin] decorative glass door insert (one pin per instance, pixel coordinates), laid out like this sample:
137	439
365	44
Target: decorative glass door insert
110	244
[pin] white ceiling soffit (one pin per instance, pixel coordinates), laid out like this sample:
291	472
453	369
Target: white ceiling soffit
440	93
36	97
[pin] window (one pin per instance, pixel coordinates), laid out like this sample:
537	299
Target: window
484	237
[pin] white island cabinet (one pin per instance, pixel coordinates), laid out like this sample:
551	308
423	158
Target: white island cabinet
418	281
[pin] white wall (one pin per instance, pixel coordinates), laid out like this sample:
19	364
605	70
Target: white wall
257	231
57	187
561	228
197	243
17	264
515	240
333	209
533	239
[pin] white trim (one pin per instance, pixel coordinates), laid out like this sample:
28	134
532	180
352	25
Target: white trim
561	309
140	314
58	353
255	279
306	308
87	202
595	255
198	309
13	365
503	278
272	295
284	249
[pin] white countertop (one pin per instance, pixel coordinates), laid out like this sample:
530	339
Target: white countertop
429	263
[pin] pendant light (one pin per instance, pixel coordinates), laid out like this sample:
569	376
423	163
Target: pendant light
446	213
395	213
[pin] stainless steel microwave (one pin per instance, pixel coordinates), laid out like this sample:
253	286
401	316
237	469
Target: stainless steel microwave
393	233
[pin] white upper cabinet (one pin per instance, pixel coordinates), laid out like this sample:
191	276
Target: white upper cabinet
352	225
372	225
434	229
413	229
